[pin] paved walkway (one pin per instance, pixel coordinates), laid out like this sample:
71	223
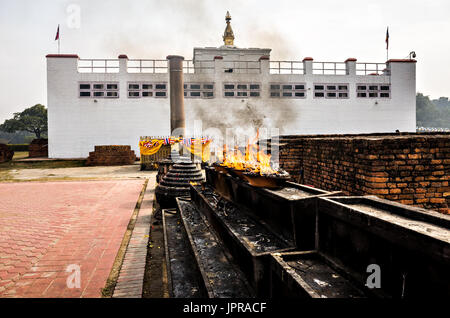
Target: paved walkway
131	277
50	227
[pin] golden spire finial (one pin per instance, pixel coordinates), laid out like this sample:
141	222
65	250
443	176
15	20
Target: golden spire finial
228	36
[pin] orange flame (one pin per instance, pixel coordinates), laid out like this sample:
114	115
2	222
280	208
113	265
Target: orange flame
254	160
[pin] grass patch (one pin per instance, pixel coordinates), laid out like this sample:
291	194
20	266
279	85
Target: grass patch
49	164
20	155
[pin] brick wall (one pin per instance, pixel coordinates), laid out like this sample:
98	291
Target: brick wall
5	153
411	169
111	155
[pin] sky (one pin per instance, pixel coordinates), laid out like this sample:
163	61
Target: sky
326	30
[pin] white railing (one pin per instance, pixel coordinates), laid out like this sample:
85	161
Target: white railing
98	66
432	129
199	67
253	67
286	67
147	66
371	69
329	68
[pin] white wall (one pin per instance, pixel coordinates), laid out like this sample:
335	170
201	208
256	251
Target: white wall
76	124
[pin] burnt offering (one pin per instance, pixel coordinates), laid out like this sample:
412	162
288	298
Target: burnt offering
175	183
270	181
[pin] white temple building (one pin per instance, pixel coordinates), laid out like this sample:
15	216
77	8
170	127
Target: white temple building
114	102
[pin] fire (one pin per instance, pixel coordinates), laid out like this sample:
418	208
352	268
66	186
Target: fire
254	160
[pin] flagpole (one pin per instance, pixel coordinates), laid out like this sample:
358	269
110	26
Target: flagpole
59	43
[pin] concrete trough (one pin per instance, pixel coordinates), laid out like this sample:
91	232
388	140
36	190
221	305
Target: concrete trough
308	274
410	245
250	241
289	211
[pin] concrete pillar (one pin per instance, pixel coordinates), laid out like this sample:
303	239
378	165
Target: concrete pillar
177	118
350	66
123	63
218	64
308	65
265	64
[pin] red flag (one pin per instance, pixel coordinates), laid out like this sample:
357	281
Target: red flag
387	38
57	34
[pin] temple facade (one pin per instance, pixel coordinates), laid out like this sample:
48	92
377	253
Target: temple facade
115	101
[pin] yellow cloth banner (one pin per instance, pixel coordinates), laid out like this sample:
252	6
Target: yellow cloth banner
150	147
201	152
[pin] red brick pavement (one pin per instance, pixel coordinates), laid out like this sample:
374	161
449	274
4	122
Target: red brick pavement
47	226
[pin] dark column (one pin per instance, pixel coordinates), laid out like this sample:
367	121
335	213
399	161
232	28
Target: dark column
177	120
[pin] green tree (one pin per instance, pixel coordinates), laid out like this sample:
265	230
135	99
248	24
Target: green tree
33	119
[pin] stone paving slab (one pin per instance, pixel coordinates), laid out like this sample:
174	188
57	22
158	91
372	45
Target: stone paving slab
47	226
131	276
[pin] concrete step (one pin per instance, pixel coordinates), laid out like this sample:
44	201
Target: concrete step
221	276
185	280
249	240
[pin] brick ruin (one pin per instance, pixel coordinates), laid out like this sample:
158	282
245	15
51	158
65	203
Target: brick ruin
111	155
38	148
5	153
412	169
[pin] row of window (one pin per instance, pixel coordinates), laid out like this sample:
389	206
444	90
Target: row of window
206	90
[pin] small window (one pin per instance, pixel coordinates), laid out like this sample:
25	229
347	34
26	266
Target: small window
373	94
254	86
208	86
229	86
362	88
319	87
160	94
98	86
160	86
287	86
384	88
299	86
384	95
275	94
362	95
111	86
112	94
274	86
85	86
331	95
343	95
319	94
287	94
243	94
300	94
133	94
240	86
254	94
331	87
373	88
229	94
195	86
85	94
343	87
133	86
147	94
99	94
195	94
147	86
208	94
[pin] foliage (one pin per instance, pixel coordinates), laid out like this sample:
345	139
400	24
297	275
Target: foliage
19	147
33	119
428	114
